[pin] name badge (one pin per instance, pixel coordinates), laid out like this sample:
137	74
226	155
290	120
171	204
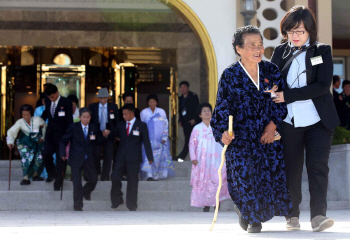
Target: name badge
316	60
183	112
161	118
35	130
61	114
92	136
136	133
111	116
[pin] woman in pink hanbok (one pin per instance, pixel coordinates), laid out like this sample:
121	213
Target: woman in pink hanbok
205	155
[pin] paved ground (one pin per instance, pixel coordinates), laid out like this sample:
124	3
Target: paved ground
154	225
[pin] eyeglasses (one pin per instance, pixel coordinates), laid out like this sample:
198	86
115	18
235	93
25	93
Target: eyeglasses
297	32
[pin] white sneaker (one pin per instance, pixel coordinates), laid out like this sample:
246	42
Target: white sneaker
321	223
180	160
293	224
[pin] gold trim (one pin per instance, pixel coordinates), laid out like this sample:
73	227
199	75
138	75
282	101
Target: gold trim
199	29
3	100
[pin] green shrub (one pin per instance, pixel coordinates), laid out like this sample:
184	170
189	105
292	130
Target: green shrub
341	136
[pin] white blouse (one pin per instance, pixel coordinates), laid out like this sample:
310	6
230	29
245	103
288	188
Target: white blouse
22	125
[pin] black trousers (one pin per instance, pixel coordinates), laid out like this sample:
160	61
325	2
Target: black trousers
108	155
78	190
133	169
187	128
316	140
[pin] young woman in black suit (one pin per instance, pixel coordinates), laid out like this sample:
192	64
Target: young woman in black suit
312	117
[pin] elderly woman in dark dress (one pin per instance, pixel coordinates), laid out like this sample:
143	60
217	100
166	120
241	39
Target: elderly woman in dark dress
254	161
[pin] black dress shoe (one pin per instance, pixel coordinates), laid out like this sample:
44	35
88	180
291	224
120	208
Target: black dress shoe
150	179
87	198
36	178
49	179
206	209
254	228
25	182
114	206
78	209
242	222
132	209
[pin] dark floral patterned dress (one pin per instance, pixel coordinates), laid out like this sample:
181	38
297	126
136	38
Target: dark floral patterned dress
255	172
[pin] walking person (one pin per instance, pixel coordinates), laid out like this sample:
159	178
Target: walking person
105	115
307	69
83	137
158	129
205	155
254	161
188	103
29	143
58	111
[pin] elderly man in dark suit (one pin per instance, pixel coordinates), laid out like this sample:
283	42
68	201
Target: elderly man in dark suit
83	137
58	110
132	133
105	115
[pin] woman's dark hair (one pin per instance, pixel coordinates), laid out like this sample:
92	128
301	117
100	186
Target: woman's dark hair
345	82
27	107
128	94
40	101
294	17
200	108
84	110
129	107
238	37
336	78
184	83
73	98
152	96
50	89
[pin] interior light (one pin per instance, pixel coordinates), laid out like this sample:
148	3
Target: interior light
30	92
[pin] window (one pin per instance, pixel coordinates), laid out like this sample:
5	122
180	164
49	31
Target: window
62	59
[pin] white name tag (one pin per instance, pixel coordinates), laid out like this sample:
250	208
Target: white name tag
136	133
111	116
61	114
316	60
92	137
35	130
183	112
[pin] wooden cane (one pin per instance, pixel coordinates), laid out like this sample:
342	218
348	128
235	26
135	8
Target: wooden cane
230	132
62	184
10	169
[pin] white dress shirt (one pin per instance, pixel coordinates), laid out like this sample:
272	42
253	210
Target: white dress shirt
132	121
87	128
304	112
100	112
56	103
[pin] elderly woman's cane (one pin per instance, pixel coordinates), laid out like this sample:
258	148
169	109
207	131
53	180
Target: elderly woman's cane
10	169
230	132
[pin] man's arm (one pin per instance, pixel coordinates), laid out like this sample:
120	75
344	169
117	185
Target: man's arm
65	140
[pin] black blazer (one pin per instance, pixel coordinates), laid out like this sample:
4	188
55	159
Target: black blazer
79	147
319	80
112	108
58	126
130	147
191	104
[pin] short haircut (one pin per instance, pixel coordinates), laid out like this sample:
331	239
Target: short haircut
128	94
294	17
50	89
184	83
345	82
336	78
238	37
27	107
203	105
73	98
152	96
84	110
129	107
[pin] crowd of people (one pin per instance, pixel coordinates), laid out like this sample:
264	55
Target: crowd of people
288	97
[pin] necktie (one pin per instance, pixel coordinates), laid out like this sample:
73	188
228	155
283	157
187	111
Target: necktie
53	109
127	129
103	119
85	132
302	48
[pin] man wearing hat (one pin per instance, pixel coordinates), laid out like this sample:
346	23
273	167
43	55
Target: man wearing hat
105	115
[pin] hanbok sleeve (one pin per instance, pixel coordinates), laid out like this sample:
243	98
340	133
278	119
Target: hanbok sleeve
43	130
193	144
219	120
12	133
165	126
278	111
